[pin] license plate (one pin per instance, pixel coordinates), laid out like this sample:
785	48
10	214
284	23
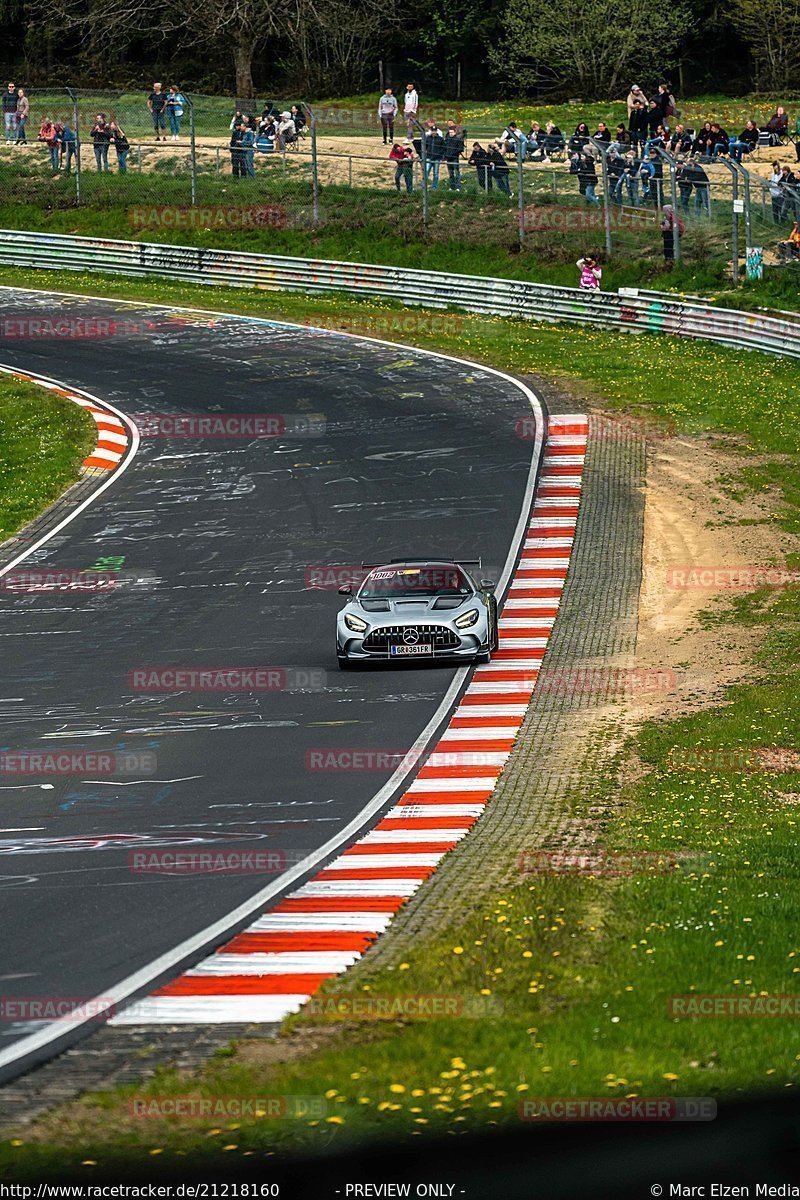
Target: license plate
422	648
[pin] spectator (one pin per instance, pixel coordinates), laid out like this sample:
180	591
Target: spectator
789	251
665	103
248	150
554	140
788	179
670	221
68	146
453	149
265	139
403	158
237	163
499	168
647	171
269	111
776	192
654	118
622	137
387	111
156	102
579	138
101	139
778	126
591	274
287	130
721	140
630	177
536	142
434	151
683	178
10	111
615	169
637	124
49	135
636	95
299	118
603	133
745	143
23	112
410	107
703	144
680	141
702	189
587	177
479	159
121	145
175	104
512	140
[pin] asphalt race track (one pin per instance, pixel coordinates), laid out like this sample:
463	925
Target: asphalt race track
387	451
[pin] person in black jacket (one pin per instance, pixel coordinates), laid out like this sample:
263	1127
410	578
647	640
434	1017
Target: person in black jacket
434	151
621	137
453	149
121	145
680	142
638	125
579	138
721	140
703	144
237	153
499	169
654	119
479	159
101	139
683	178
587	178
615	165
745	143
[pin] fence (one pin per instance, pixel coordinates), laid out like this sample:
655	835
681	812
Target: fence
337	174
632	310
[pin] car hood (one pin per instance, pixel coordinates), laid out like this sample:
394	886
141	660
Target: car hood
412	608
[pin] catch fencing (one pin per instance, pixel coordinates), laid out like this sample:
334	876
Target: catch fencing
337	173
630	309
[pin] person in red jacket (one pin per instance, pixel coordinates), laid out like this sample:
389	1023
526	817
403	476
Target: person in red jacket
403	157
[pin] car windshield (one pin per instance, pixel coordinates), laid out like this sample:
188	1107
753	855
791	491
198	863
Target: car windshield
427	580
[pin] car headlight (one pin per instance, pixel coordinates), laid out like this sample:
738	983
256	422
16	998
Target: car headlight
466	619
354	623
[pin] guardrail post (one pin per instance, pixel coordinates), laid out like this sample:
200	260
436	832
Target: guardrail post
672	163
603	150
521	194
75	120
735	216
745	174
314	171
424	158
192	150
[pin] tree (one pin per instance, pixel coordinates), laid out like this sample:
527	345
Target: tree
594	49
771	30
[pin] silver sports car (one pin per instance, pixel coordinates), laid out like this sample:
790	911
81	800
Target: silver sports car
417	609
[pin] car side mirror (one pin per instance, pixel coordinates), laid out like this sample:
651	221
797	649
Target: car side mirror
346	590
488	585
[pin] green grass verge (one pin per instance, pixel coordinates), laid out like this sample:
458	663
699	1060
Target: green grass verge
43	441
583	967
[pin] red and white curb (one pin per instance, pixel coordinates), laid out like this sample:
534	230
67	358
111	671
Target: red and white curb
317	931
112	436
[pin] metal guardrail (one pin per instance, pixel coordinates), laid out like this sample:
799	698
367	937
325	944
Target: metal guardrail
629	309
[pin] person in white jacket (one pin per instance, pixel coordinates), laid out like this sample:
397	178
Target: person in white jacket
635	94
410	107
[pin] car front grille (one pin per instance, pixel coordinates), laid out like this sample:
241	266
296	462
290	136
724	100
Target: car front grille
439	636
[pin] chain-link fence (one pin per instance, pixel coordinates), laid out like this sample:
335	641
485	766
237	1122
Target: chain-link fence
177	161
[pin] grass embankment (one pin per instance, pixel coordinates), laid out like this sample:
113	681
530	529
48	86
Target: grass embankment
43	441
468	236
583	968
